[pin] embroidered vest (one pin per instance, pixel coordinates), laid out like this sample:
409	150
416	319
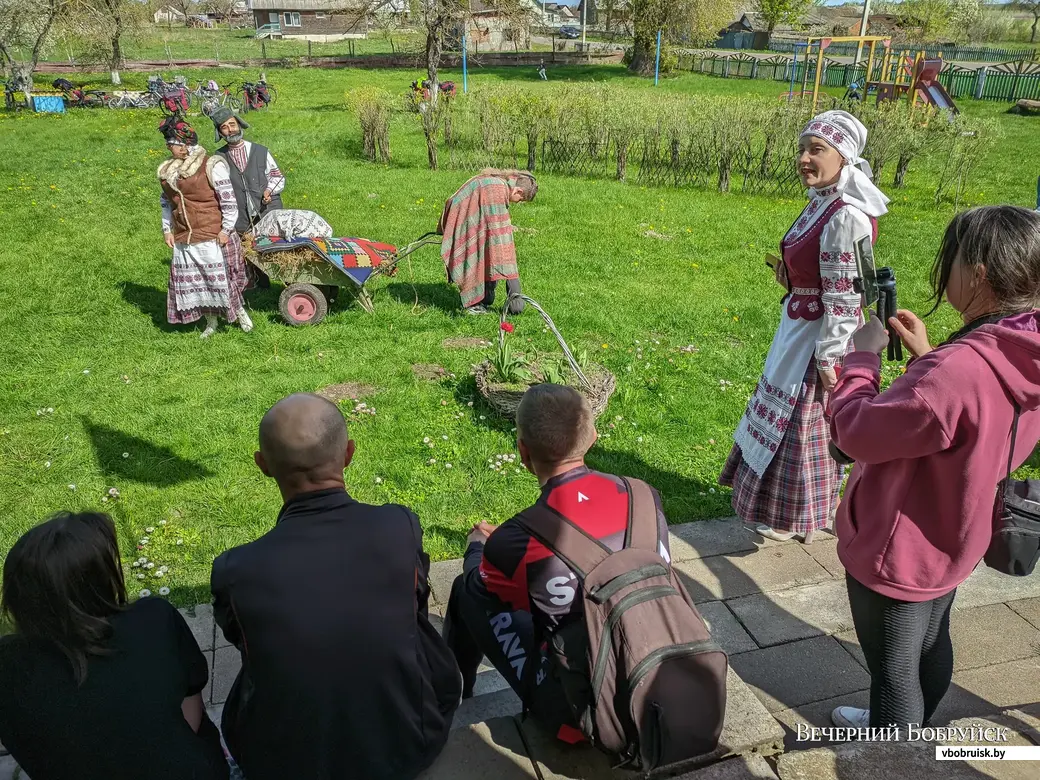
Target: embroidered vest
249	186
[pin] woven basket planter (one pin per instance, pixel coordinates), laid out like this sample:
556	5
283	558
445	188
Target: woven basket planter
596	383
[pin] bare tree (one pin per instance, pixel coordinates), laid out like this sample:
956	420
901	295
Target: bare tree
27	25
187	7
388	22
1033	7
104	25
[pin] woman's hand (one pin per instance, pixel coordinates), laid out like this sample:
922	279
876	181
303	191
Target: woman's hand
169	239
828	378
871	337
912	332
222	238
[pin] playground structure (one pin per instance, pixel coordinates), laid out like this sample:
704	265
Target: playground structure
902	73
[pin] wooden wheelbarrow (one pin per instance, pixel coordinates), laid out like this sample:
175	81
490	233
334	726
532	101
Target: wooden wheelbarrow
314	269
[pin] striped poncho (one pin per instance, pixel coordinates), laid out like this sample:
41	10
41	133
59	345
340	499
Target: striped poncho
478	237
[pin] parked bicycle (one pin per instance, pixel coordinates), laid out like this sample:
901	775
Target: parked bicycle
134	100
223	97
257	95
77	97
173	99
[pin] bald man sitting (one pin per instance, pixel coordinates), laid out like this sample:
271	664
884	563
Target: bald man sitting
514	589
342	673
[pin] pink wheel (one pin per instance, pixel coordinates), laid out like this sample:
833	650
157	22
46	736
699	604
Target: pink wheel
302	304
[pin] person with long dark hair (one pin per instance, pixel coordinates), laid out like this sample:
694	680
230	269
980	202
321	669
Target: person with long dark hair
918	513
94	687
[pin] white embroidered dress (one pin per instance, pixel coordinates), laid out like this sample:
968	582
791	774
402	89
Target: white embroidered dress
818	320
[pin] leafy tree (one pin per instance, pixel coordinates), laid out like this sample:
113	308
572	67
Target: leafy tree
776	12
686	22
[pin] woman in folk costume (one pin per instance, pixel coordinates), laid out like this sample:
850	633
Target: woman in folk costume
477	248
208	274
784	480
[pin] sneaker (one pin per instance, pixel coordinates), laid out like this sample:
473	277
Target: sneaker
243	321
851	717
478	309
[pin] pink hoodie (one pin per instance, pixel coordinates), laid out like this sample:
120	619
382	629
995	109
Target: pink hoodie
917	514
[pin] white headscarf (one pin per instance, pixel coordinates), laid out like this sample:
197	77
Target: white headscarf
848	136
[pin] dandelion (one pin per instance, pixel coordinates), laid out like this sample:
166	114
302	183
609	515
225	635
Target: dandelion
426	440
136	564
164	591
159	573
114	492
149	530
162	522
142	560
447	465
140	576
126	454
104	499
180	542
711	490
469	403
444	403
431	461
86	371
639	439
50	410
145	593
47	465
444	437
711	441
482	417
149	565
379	480
606	346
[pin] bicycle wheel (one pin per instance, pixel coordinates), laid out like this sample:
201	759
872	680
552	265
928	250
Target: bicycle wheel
116	102
234	103
273	94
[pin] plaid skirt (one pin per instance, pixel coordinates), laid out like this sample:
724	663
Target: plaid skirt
799	490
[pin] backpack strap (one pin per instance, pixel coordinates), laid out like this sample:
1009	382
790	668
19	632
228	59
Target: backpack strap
642	532
570	543
1014	439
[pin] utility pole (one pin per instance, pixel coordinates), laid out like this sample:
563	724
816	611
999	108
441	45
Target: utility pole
864	23
584	9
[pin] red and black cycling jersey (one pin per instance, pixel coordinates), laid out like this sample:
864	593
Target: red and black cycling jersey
523	574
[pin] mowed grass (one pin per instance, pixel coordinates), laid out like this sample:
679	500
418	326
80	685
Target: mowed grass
170	421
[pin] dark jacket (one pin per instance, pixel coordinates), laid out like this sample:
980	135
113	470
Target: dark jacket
342	673
249	186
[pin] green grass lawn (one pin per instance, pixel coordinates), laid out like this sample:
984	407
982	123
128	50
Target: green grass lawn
171	422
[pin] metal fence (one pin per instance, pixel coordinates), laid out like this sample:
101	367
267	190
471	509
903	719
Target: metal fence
948	53
1006	82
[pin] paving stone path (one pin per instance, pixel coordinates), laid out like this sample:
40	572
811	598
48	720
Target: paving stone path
781	611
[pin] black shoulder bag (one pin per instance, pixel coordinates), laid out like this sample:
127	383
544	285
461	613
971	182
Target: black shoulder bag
1015	546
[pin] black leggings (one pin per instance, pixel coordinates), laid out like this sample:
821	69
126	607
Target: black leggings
909	653
512	288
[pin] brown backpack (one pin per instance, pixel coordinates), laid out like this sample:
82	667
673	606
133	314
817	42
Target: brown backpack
640	671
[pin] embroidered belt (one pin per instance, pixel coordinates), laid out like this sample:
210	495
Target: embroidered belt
805	291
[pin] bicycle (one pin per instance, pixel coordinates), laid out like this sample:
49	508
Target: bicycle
225	97
134	100
256	95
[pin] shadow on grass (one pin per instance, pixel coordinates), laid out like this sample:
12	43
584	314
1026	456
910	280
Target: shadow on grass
150	301
432	295
147	463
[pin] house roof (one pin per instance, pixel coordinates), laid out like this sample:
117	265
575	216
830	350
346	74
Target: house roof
306	5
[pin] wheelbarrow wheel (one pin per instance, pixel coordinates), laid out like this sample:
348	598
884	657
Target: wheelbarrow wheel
302	304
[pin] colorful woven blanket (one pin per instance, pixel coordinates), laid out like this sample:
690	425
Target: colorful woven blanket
356	257
478	237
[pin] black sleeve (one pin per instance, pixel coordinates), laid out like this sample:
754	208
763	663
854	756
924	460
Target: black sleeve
422	563
192	661
223	612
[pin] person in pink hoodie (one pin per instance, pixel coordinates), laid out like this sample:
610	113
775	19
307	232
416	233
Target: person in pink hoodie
918	511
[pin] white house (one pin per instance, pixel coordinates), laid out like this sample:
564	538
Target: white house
168	15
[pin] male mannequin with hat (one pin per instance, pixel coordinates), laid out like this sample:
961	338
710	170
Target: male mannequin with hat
255	176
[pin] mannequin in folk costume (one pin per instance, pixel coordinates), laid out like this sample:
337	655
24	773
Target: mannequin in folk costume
783	478
207	274
256	179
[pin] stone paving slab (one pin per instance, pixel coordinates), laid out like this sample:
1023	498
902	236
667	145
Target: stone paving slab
990	635
748	728
706	538
725	628
227	662
1028	609
200	621
483	751
885	760
499	704
825	551
729	576
799	613
817	713
986	586
752	767
788	676
442	575
1005	686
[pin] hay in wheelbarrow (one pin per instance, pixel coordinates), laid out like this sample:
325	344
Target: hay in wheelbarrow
594	382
